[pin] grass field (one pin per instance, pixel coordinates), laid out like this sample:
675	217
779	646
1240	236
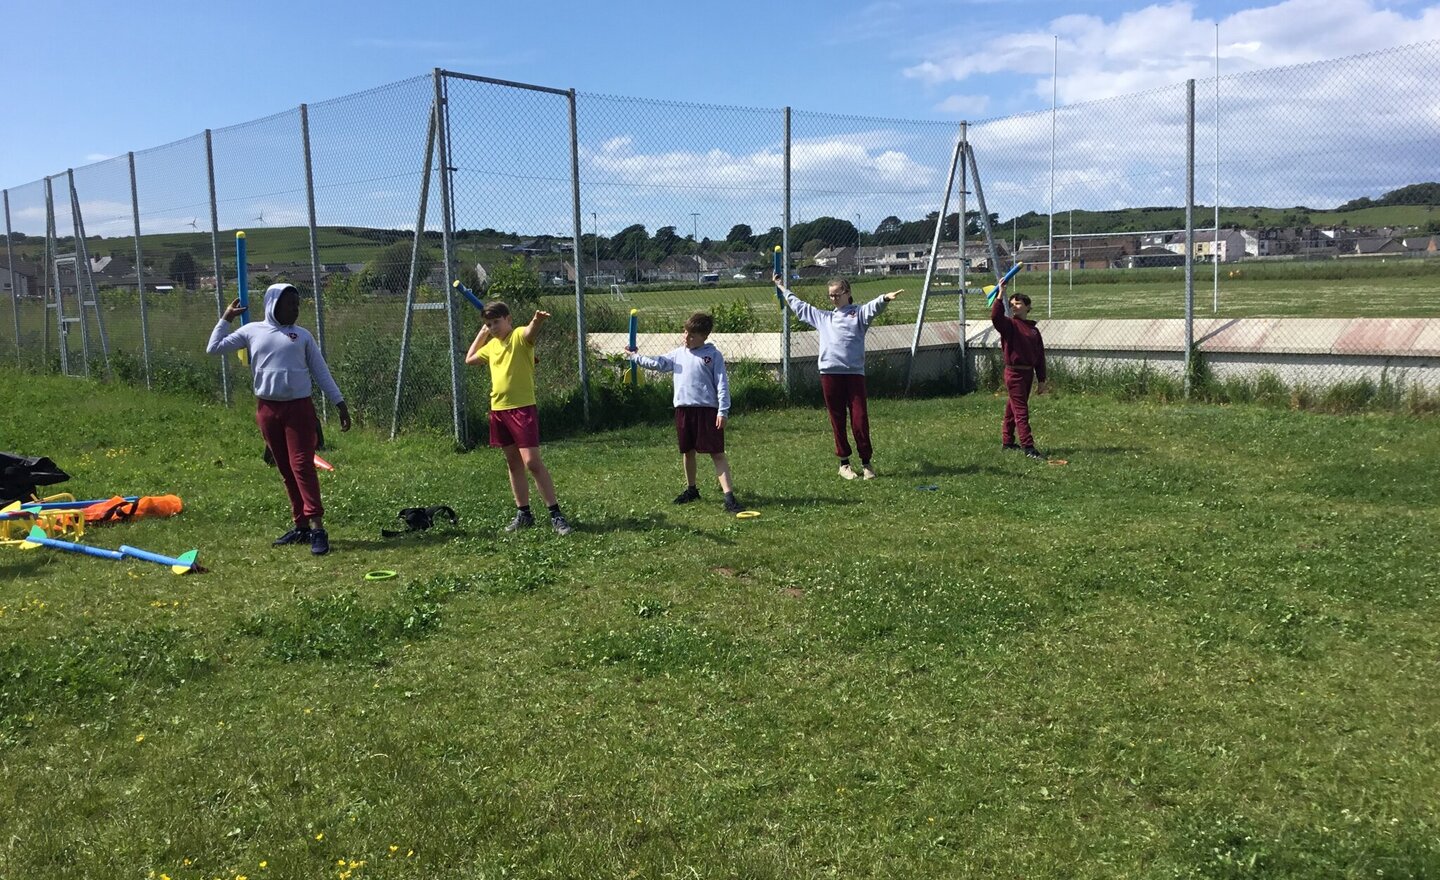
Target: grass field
1206	647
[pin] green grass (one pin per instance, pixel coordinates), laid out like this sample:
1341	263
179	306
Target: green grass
1331	289
1206	647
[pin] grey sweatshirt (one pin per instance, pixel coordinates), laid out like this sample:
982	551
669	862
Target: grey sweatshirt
842	331
282	356
700	378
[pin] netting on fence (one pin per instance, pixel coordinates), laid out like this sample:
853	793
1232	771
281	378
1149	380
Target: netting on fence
1318	260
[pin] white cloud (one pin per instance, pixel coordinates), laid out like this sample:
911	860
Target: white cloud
1316	105
965	105
862	154
1168	43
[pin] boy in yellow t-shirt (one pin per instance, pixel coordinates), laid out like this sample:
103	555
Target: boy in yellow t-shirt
514	419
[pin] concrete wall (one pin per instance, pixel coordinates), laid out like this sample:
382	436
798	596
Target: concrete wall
1310	351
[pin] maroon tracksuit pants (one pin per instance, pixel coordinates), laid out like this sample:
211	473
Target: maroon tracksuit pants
288	427
845	393
1017	408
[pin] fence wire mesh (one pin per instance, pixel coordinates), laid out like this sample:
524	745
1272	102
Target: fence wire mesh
685	203
1318	267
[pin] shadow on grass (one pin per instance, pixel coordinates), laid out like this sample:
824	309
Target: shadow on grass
409	539
16	564
931	469
1094	450
758	500
657	522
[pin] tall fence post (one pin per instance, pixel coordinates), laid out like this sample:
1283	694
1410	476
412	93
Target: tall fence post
215	255
14	278
930	264
447	206
579	275
408	321
785	266
84	280
960	275
139	271
52	281
314	247
1189	233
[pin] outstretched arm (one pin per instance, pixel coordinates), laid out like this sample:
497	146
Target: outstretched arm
803	310
533	328
659	363
877	305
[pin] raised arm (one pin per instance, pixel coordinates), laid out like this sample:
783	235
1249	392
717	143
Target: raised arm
803	310
998	318
533	328
473	356
221	340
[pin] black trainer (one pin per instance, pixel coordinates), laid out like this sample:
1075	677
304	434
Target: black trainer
319	542
1009	447
732	506
524	519
297	535
561	524
690	494
1032	452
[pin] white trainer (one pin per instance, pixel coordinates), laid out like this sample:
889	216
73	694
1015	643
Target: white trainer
847	472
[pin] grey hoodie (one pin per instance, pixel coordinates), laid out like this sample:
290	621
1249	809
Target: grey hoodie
282	356
700	377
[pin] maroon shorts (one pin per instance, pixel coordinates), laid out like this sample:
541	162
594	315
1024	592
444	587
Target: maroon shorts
515	427
696	431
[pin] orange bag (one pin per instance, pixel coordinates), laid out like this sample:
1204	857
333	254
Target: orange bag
117	509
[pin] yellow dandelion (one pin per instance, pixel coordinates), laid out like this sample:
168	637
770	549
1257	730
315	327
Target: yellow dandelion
264	864
139	737
320	836
241	877
410	853
394	848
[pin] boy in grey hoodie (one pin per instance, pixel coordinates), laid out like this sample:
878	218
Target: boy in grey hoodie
702	403
283	357
842	364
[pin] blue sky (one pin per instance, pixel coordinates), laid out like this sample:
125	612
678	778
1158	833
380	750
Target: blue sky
93	80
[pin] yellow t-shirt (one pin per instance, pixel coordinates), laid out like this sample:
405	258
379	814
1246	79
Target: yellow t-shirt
512	370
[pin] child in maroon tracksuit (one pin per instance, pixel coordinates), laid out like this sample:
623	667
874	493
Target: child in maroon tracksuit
1024	355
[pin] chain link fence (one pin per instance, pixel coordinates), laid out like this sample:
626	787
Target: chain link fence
1316	268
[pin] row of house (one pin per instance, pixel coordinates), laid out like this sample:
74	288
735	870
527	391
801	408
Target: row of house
1130	251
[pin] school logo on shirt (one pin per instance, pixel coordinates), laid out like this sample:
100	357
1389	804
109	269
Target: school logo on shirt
293	336
707	360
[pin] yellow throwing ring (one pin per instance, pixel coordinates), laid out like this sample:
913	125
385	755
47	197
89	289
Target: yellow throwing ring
380	575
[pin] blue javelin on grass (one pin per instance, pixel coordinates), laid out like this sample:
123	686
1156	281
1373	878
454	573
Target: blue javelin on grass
183	564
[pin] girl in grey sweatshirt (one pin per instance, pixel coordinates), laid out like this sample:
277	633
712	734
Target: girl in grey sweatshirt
842	332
